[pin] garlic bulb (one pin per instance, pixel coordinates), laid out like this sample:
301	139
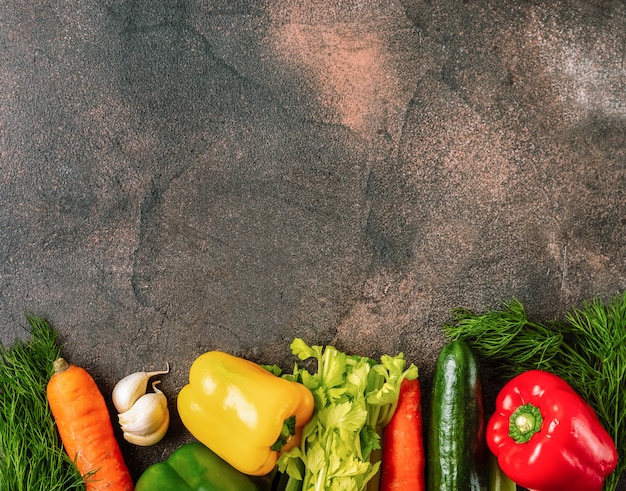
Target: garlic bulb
147	420
132	387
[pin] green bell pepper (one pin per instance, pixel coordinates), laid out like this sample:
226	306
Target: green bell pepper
194	467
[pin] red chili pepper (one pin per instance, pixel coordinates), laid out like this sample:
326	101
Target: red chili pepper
547	438
403	449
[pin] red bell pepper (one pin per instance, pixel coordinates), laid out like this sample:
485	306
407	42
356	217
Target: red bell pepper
547	438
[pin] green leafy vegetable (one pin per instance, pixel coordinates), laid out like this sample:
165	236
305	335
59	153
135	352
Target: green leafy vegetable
587	349
355	396
31	454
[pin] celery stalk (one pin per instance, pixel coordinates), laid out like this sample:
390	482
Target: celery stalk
354	397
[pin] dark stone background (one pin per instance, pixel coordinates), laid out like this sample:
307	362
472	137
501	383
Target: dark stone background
185	176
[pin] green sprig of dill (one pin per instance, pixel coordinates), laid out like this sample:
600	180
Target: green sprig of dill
587	349
31	454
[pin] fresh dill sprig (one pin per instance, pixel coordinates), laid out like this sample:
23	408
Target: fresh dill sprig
587	349
507	335
31	454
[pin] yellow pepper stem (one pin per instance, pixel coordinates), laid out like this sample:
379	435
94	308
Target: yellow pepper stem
286	434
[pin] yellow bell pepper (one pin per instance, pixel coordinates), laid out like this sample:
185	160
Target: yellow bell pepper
244	413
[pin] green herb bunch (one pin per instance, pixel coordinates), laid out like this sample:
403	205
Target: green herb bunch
587	349
31	455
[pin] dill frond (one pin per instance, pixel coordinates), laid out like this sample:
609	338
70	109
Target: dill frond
31	454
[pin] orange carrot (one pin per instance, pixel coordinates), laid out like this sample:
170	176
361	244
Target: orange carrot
84	424
402	466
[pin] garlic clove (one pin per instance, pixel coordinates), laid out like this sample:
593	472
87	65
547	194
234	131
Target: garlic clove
128	390
149	439
147	421
146	415
143	419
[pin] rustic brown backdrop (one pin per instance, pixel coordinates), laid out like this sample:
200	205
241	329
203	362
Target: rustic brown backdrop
185	176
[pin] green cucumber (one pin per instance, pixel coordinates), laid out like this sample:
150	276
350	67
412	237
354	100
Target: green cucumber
498	480
457	456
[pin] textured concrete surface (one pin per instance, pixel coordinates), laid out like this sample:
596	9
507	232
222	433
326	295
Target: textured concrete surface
184	176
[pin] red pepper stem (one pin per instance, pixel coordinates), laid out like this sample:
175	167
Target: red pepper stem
525	421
